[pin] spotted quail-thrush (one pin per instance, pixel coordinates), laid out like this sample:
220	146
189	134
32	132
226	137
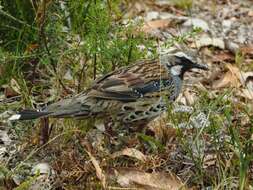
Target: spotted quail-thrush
130	94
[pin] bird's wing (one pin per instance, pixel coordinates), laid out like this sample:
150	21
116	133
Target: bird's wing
130	83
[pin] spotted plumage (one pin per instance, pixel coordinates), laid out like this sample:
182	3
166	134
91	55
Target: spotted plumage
130	94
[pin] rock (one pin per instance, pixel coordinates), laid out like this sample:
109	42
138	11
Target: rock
196	23
231	46
152	16
164	15
208	41
226	24
4	138
68	75
43	168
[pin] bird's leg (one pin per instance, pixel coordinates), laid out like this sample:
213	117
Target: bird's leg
109	127
45	130
141	127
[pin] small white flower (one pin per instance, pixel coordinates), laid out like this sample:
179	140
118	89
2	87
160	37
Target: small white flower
183	109
182	125
200	120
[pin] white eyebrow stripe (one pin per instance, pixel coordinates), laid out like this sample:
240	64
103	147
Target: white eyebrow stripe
181	54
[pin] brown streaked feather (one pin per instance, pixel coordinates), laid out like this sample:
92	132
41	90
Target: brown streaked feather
118	85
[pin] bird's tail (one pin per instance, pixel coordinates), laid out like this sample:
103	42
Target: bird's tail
72	107
28	114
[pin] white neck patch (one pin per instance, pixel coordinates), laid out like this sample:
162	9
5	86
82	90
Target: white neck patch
176	70
181	54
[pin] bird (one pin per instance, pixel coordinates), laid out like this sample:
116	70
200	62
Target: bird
136	93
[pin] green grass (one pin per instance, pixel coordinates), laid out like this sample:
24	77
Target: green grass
183	4
96	42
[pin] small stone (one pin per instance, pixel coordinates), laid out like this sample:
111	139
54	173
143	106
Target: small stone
68	75
100	126
231	46
205	41
152	16
42	168
165	15
226	24
197	23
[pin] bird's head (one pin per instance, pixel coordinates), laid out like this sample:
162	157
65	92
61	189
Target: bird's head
179	62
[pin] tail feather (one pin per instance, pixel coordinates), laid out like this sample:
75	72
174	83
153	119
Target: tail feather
27	115
72	107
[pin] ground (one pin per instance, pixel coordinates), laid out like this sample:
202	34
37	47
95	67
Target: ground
204	141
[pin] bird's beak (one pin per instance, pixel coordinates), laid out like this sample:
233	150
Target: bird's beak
200	66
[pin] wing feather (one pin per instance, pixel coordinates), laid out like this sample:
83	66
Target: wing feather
130	83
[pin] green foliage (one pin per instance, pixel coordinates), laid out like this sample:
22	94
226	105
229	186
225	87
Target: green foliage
105	40
69	28
17	25
27	183
183	4
151	143
182	38
242	148
239	58
225	138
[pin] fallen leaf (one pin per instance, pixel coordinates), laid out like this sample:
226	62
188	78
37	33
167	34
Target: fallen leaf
250	13
247	92
223	56
153	25
31	47
9	92
99	171
247	49
131	178
15	86
131	152
190	97
225	81
236	72
231	78
162	130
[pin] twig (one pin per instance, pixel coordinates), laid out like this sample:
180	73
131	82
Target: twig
95	66
42	37
35	151
130	50
81	76
15	19
10	100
